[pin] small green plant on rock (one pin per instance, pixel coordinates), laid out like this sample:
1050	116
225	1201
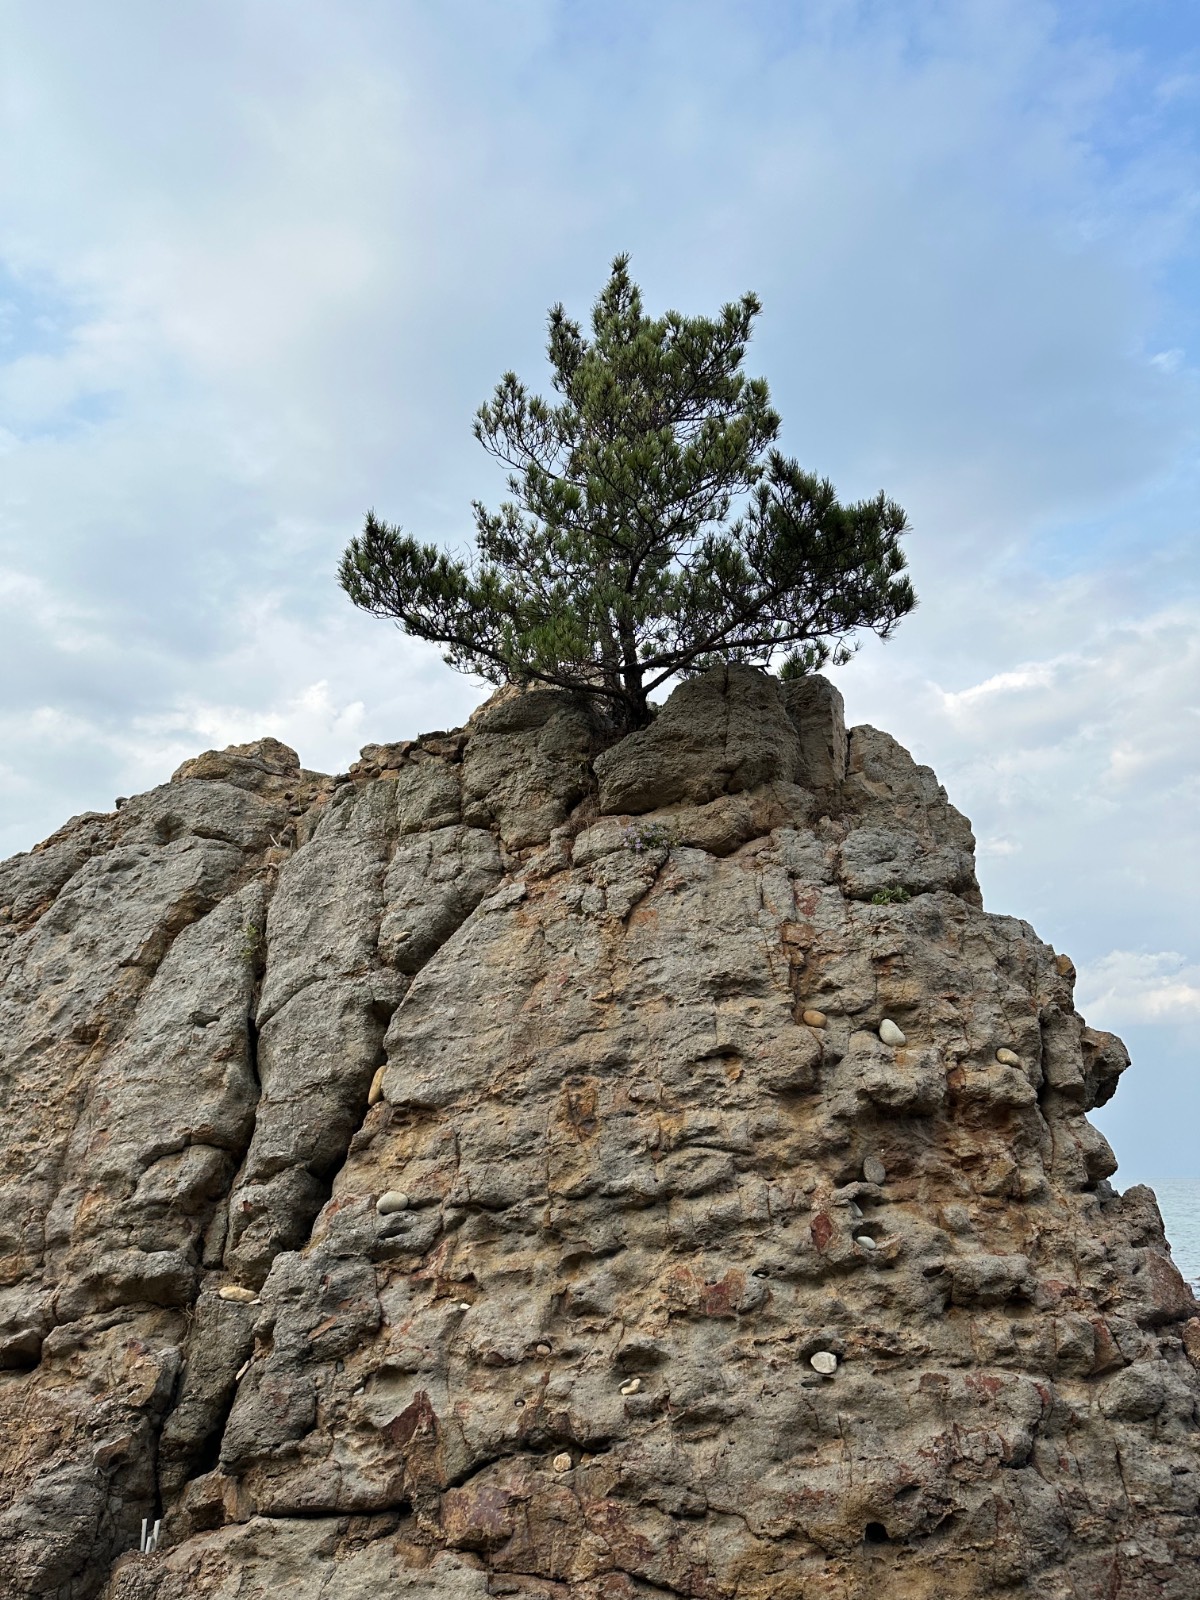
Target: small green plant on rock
642	836
896	895
252	941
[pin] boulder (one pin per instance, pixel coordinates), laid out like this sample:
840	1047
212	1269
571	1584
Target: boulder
723	732
528	762
817	712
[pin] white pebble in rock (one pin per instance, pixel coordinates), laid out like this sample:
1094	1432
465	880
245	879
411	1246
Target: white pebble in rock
375	1094
464	1305
865	1242
824	1362
631	1386
562	1463
1008	1058
874	1170
394	1200
235	1291
890	1033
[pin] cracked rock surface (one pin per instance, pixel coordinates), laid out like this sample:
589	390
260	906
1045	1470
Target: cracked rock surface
687	1282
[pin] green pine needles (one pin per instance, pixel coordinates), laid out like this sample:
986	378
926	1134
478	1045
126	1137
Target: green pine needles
653	528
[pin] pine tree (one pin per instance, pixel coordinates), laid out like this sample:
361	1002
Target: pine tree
653	526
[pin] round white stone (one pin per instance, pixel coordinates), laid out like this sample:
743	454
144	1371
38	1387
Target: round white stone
890	1033
865	1242
824	1362
394	1200
562	1463
874	1170
632	1386
1008	1058
235	1291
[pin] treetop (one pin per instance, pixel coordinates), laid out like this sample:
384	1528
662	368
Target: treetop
652	525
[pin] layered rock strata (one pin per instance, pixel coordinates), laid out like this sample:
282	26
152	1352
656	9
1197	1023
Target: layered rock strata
536	1165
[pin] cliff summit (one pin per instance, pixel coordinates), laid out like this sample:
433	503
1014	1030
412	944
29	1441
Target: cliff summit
541	1166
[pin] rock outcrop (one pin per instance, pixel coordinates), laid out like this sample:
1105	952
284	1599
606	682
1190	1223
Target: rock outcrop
531	1165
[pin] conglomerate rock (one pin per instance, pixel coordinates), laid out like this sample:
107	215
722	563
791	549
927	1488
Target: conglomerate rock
689	1280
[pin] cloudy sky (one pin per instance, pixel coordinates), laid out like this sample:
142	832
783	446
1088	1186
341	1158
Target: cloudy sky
260	261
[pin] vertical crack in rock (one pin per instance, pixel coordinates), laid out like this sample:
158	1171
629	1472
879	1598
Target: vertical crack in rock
511	1185
317	1026
128	1105
252	1049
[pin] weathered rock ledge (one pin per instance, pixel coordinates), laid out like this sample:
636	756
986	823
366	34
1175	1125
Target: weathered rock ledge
438	1181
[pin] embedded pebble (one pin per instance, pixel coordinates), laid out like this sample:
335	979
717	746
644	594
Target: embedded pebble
234	1291
824	1362
376	1092
865	1242
543	1349
562	1463
242	1371
464	1305
815	1019
874	1170
890	1033
394	1200
1008	1058
632	1386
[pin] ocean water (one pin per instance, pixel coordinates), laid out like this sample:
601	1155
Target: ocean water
1179	1202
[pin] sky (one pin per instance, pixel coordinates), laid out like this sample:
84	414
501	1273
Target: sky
260	261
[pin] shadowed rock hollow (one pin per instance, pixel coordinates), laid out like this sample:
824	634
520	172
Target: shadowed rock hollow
530	1167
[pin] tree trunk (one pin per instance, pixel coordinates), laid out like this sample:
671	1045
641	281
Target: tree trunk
631	679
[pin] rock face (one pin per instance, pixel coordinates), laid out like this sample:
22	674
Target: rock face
485	1175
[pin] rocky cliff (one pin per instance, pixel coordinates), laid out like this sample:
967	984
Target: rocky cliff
538	1166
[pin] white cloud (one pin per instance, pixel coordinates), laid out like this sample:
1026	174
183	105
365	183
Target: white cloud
73	626
1039	676
1127	986
308	720
996	845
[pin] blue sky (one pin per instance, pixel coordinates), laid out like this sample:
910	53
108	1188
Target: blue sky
259	262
